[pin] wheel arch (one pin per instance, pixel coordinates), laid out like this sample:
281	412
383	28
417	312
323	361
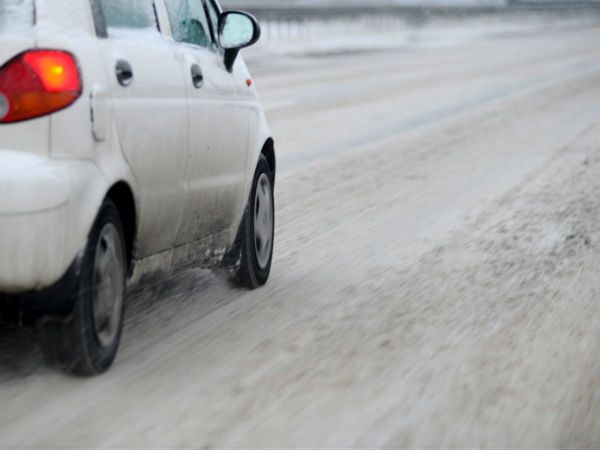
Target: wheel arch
268	150
122	196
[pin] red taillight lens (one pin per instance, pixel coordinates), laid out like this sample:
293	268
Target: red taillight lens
37	83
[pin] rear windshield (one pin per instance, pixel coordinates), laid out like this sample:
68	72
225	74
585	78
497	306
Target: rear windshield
16	15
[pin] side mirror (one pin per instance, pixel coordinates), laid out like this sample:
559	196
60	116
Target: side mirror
236	31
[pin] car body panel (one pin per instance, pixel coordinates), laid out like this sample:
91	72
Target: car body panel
218	156
45	211
156	100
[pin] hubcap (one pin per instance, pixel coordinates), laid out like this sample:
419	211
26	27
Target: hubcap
263	221
107	285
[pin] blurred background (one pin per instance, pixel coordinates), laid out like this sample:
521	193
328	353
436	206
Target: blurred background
321	26
435	279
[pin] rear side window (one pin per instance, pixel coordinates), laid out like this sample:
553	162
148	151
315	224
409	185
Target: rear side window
16	15
135	14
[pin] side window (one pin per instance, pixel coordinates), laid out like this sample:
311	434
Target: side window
188	22
129	14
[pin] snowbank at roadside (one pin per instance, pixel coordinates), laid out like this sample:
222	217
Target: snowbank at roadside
322	38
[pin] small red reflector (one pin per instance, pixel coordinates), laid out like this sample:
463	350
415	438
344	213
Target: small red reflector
37	83
249	82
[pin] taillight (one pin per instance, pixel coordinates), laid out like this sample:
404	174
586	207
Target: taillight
37	83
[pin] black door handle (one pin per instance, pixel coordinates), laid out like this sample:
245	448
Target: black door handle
124	73
197	76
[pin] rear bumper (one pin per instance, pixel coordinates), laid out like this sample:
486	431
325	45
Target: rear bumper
32	249
42	224
56	299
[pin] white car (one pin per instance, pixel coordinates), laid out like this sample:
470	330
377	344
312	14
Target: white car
131	141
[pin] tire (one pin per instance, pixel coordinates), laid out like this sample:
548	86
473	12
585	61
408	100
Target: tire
86	341
252	254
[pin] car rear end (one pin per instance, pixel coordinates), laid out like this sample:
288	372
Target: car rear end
50	183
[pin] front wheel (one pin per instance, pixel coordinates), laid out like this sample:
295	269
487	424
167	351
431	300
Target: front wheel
86	342
253	251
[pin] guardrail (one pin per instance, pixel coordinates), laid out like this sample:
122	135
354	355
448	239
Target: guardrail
284	24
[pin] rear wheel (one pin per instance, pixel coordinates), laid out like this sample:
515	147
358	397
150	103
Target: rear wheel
86	342
252	255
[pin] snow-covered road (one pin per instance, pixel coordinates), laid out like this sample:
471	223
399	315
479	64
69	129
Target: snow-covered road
435	279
